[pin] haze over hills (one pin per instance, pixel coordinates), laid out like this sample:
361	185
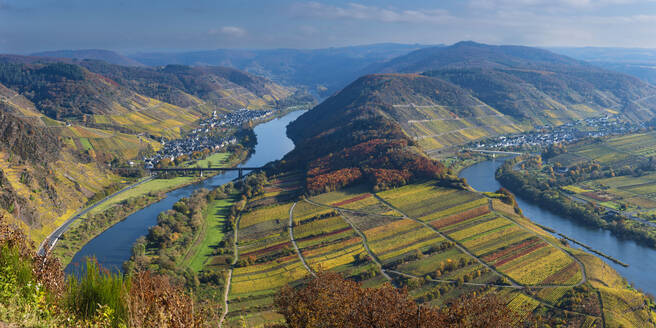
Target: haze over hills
322	71
638	62
97	54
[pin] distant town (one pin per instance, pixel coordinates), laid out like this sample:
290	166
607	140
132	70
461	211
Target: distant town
548	135
206	136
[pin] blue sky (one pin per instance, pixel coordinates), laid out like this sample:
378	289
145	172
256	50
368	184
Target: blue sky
152	25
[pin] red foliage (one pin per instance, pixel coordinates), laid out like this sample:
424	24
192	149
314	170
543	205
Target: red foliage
332	301
352	200
462	216
385	162
520	253
333	180
388	177
268	249
512	248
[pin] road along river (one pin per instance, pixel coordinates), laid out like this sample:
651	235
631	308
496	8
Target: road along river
114	246
641	259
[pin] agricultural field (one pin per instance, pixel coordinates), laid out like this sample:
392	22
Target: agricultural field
439	128
152	186
95	141
158	119
452	242
615	151
467	218
214	160
213	232
629	193
268	263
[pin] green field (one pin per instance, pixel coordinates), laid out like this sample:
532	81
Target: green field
213	233
213	160
155	185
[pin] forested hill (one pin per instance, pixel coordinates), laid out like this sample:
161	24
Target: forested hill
468	54
355	136
448	96
222	87
67	90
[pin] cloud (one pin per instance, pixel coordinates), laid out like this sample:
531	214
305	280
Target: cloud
549	5
372	13
231	31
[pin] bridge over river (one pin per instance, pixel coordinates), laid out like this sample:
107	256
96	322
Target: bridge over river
495	152
187	170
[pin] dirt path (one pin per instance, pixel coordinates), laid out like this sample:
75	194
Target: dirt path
224	313
291	237
365	243
456	243
453	281
229	280
513	284
340	210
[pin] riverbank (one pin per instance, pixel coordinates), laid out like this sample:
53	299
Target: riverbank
77	235
111	212
641	259
114	245
552	198
592	249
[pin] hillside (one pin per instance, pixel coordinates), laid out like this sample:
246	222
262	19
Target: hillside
159	102
355	135
449	96
62	123
434	113
97	54
531	84
203	88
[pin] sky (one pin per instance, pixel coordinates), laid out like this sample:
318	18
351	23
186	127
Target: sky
131	26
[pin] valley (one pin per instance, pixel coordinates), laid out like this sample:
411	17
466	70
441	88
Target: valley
364	184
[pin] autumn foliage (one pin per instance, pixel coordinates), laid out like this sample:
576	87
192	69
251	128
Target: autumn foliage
34	292
382	163
332	301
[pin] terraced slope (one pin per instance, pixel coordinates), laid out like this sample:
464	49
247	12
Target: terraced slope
440	243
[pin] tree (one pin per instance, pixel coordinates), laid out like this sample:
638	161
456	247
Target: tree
332	301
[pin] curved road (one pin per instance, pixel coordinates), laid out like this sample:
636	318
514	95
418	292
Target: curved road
51	240
291	237
365	243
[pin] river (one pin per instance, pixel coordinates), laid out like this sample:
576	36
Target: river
114	246
641	260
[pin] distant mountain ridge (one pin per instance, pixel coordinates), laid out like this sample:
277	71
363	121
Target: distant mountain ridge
96	54
447	96
322	71
637	62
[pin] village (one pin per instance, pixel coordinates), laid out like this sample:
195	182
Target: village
214	133
547	135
